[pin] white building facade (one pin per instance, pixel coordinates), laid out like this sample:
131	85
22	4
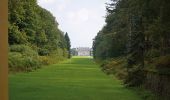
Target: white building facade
84	51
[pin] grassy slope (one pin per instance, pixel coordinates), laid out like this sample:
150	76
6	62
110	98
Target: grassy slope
75	79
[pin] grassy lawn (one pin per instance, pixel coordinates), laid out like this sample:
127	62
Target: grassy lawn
76	79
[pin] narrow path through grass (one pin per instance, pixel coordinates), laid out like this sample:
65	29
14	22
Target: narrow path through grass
75	79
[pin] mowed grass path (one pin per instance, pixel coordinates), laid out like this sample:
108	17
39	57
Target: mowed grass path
75	79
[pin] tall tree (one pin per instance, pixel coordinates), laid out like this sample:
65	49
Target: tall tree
68	44
137	29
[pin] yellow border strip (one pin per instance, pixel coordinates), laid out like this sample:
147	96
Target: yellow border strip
3	49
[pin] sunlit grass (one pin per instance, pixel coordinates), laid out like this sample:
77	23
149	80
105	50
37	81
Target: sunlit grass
82	57
76	79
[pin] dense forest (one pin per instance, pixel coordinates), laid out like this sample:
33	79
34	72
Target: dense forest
135	42
34	37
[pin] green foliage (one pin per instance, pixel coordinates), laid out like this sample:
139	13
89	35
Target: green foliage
135	76
16	36
152	53
111	40
136	40
24	49
163	64
45	60
68	45
137	29
21	63
116	66
23	58
33	32
145	94
15	61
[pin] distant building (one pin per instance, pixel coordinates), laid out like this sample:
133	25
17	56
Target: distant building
82	51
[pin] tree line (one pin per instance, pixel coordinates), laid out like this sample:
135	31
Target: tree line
137	31
34	37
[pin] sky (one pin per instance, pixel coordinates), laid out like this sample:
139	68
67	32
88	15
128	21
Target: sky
81	19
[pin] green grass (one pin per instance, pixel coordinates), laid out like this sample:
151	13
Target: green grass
76	79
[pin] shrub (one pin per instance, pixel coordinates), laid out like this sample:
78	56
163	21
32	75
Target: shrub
135	76
15	61
23	58
105	67
24	50
30	63
153	53
43	52
44	60
163	63
18	62
116	67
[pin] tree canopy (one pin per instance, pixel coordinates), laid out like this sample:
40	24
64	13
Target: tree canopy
37	28
137	29
68	44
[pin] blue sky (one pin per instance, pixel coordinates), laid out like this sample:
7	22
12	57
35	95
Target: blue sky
81	19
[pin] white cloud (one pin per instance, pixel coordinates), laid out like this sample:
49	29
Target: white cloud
83	14
45	1
79	16
61	7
